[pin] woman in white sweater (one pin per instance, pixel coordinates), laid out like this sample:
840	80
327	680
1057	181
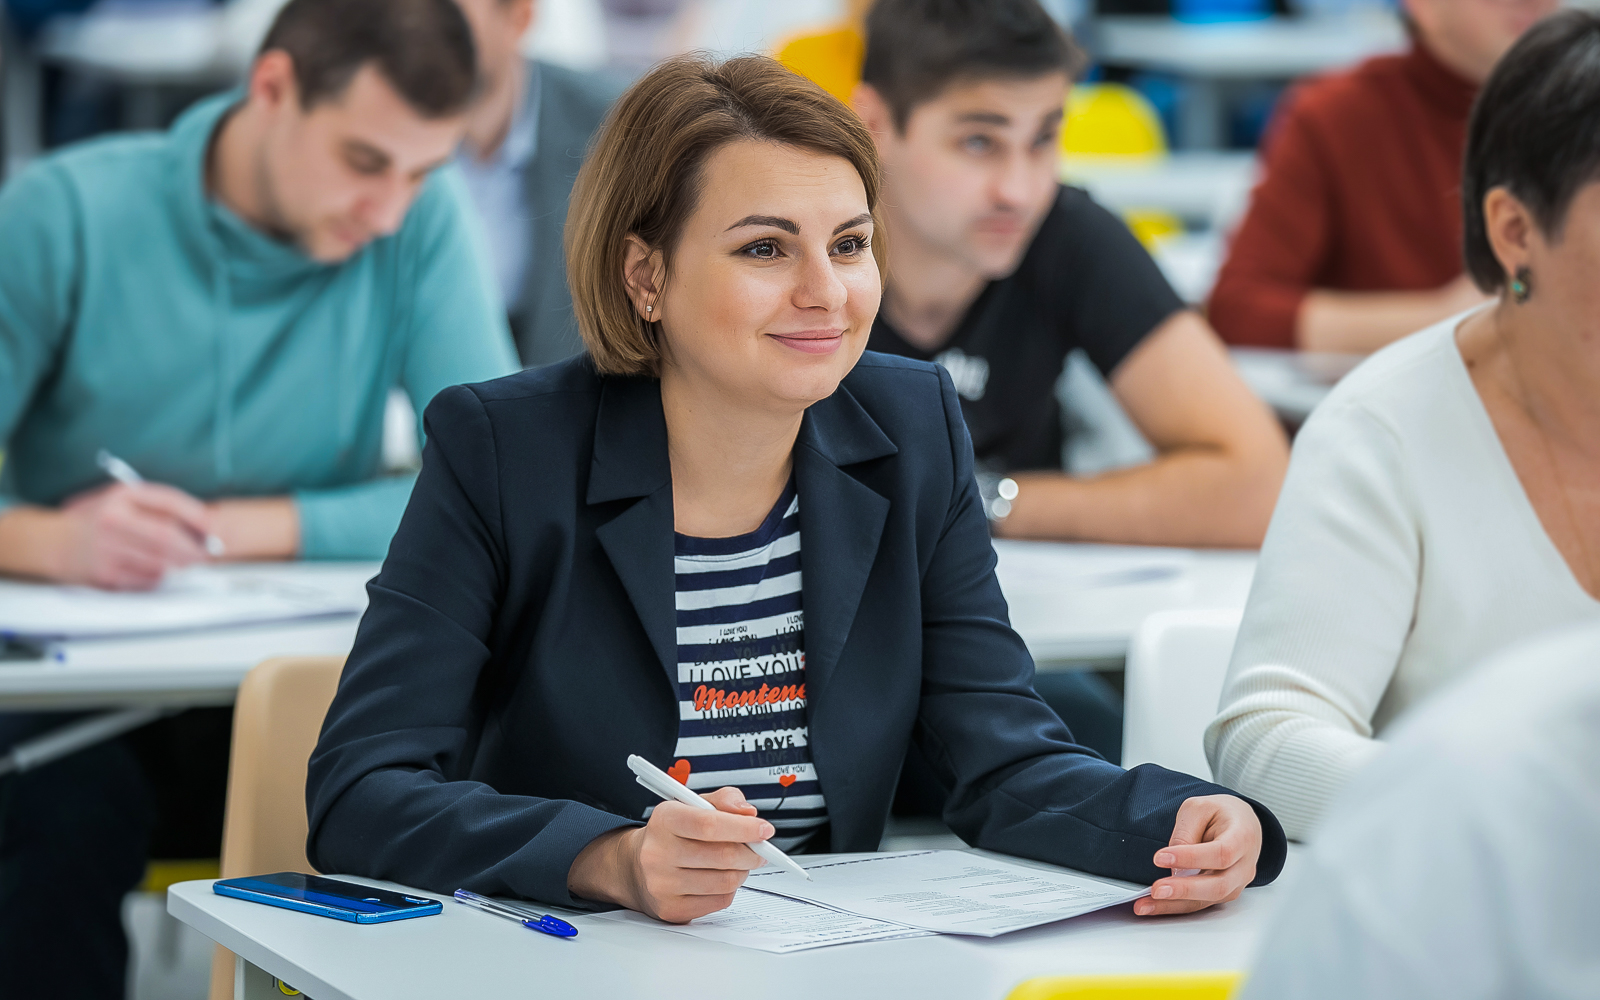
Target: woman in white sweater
1444	501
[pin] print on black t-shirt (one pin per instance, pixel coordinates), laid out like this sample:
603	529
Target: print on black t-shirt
1084	282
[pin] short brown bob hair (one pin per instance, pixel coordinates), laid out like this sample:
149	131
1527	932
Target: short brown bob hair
644	173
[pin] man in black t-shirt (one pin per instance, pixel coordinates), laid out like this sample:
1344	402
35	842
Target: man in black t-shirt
998	272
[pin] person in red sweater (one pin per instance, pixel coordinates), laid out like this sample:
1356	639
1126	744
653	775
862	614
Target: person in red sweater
1353	237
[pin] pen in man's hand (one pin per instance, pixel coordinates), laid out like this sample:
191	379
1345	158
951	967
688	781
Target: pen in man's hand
127	475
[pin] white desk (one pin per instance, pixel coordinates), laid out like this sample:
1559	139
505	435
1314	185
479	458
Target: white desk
183	670
1074	605
148	47
146	44
1292	382
173	672
138	680
1190	262
1206	188
1279	47
1211	55
142	46
1077	605
466	953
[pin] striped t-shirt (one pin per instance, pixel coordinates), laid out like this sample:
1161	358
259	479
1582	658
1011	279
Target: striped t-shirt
741	672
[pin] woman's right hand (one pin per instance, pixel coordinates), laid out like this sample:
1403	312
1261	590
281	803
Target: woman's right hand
684	863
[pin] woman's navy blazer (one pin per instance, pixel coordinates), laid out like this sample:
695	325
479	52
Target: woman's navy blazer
521	642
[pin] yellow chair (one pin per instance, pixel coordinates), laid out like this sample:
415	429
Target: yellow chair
1106	124
1110	127
1102	119
275	726
1152	225
1111	120
159	876
831	58
1165	986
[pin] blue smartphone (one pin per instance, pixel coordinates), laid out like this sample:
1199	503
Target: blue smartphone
327	897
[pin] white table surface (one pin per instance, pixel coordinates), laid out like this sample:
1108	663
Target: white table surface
1190	261
467	953
1292	382
1275	48
1215	57
185	669
1208	190
1208	187
1074	605
155	44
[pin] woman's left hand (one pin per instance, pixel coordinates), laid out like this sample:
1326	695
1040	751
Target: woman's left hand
1220	836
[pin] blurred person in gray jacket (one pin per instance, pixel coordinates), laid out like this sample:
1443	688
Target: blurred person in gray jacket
525	141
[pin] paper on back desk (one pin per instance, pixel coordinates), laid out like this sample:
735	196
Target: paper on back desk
1078	566
949	892
776	924
197	598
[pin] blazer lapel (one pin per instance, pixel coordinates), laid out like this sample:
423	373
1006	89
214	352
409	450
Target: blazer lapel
841	521
630	461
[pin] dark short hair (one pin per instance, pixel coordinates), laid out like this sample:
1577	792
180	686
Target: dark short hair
917	48
644	175
423	48
1535	131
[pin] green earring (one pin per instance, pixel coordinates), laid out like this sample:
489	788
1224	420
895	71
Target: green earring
1520	286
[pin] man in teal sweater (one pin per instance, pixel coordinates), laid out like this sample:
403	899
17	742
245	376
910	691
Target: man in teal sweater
226	307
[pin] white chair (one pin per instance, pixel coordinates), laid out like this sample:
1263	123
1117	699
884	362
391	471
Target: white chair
1173	679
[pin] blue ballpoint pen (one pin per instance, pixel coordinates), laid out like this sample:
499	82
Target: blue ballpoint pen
545	924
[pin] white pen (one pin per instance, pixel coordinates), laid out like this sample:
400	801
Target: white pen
127	475
664	785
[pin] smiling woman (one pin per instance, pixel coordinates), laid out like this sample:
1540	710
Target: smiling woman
661	154
632	522
761	305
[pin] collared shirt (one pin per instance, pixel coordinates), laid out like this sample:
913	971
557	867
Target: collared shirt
500	196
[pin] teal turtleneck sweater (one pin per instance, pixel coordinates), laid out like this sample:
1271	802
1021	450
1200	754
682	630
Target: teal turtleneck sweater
140	316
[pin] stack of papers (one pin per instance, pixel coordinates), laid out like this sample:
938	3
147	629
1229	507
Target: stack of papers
949	892
198	598
876	897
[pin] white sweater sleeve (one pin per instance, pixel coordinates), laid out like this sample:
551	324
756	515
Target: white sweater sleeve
1329	613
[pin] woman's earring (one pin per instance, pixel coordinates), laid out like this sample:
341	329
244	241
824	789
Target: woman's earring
648	310
1521	285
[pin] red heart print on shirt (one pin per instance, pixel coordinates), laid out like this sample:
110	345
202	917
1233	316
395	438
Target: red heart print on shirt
786	780
680	772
